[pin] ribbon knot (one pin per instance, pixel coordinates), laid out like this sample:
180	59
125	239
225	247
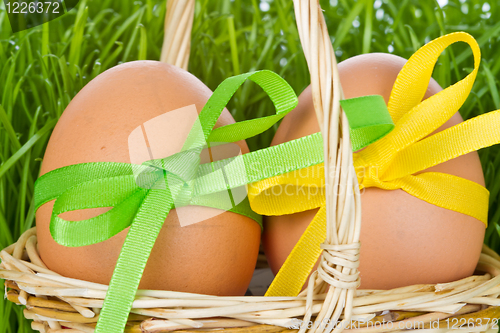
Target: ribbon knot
176	173
369	176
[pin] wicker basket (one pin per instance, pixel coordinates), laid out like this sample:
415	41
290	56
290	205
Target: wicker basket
59	304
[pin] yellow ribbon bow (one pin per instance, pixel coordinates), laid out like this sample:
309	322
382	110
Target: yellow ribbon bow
392	162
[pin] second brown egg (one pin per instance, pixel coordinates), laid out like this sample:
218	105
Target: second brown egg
404	240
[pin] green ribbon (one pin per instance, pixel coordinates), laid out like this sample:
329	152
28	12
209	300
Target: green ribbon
143	195
369	119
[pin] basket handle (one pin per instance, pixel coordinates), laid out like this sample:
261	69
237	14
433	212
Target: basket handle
177	39
337	274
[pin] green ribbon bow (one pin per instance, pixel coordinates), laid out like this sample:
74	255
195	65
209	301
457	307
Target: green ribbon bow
143	195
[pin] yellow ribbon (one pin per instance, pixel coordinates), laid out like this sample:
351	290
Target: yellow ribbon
392	162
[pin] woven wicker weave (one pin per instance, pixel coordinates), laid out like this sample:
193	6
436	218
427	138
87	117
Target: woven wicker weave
54	302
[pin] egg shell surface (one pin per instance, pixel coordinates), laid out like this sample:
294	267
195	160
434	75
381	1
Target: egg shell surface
214	256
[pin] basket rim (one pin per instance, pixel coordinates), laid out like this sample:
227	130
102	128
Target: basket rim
53	300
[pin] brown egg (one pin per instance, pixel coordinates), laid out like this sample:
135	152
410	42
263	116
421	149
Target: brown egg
404	240
215	256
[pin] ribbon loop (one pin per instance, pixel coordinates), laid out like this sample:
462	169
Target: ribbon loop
411	84
103	226
480	132
280	93
413	117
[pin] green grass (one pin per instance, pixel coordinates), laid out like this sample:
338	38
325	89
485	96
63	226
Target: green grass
43	68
